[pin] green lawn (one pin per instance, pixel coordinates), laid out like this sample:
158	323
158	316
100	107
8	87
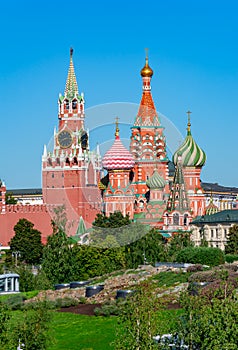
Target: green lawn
79	332
74	332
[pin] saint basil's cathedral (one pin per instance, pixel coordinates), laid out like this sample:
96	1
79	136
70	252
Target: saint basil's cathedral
135	182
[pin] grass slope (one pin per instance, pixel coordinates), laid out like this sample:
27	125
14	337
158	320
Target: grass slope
74	332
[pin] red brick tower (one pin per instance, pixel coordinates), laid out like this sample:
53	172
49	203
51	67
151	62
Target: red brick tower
70	171
148	144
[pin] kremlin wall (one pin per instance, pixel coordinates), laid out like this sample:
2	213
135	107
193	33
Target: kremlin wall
137	181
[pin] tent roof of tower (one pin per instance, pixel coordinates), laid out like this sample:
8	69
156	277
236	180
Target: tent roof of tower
147	115
71	87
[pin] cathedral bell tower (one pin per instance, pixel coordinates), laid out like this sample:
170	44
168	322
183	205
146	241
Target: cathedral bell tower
70	170
148	144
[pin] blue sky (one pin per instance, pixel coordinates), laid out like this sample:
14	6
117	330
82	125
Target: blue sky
192	50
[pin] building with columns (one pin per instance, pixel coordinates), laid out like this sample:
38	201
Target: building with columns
214	228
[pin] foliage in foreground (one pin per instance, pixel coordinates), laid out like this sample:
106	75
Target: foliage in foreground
209	324
137	321
31	328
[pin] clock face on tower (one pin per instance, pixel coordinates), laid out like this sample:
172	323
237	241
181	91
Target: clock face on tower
65	139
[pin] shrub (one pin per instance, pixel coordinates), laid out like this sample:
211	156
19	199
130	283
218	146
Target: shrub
65	302
195	268
230	258
113	307
201	255
15	302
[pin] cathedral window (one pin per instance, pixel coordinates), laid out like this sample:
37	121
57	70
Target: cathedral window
75	161
62	175
176	219
67	162
185	219
53	175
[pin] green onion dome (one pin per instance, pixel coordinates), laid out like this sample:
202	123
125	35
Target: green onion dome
155	182
211	208
191	154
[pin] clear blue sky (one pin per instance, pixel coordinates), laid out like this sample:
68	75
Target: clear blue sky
192	50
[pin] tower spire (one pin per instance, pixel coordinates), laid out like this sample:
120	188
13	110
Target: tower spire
71	87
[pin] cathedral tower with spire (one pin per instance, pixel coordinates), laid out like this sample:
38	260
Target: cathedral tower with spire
70	170
118	193
148	144
193	159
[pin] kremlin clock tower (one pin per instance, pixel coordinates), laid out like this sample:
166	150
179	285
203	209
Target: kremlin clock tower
70	170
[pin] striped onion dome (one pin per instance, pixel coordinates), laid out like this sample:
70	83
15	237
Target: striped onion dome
211	208
118	157
156	181
191	154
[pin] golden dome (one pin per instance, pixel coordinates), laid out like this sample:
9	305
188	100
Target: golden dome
146	71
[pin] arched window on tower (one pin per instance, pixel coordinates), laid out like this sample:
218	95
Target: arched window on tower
67	105
74	104
67	162
176	219
75	161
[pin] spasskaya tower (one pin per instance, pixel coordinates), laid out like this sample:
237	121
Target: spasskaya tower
70	170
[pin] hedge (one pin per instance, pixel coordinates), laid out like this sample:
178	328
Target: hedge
201	255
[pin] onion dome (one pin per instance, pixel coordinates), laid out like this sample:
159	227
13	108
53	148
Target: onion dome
146	71
156	181
118	157
211	208
191	154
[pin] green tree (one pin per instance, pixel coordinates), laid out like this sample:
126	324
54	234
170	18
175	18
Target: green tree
137	321
115	219
10	199
4	322
209	324
148	249
58	259
232	241
33	329
178	242
27	241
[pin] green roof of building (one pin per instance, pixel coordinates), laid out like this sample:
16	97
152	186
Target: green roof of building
228	216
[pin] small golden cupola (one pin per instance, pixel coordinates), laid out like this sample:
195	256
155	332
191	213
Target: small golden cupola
146	71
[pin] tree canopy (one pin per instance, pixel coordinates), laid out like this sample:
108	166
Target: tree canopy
27	242
232	241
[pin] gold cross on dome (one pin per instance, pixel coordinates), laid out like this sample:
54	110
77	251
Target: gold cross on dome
188	113
117	127
146	53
